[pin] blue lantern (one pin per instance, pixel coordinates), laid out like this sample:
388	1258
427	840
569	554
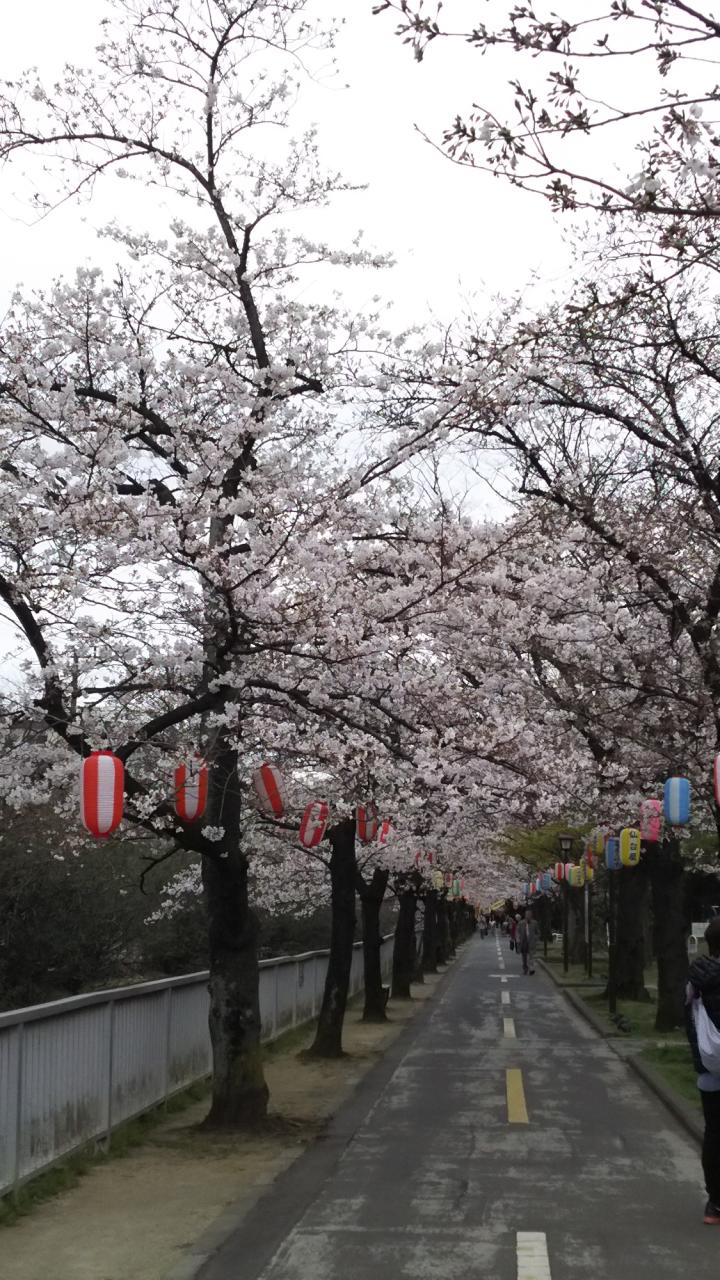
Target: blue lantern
546	882
676	802
612	854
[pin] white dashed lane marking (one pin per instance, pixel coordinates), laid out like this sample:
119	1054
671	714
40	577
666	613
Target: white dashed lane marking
509	1029
532	1256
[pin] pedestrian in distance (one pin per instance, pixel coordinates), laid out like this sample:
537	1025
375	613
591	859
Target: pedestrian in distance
526	940
702	1021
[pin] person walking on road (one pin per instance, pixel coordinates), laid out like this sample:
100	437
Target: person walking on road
704	987
526	940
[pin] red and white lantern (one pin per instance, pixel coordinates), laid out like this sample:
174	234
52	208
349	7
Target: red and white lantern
651	816
102	780
384	832
366	823
559	871
314	822
191	789
269	790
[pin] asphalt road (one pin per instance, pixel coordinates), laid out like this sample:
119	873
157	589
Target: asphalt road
500	1139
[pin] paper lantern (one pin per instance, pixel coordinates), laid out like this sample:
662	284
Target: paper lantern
716	779
676	801
576	877
559	871
448	879
546	879
630	839
191	788
589	874
366	824
313	824
102	779
612	854
651	820
568	868
384	832
269	789
456	888
437	879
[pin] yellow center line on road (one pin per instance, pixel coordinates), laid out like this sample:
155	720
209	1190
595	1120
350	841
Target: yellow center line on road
516	1105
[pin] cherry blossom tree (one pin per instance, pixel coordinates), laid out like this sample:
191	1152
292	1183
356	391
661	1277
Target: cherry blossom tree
167	528
593	81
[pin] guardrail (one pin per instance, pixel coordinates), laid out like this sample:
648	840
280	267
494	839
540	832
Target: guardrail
72	1070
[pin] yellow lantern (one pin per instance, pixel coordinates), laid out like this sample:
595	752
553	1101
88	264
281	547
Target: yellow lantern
630	839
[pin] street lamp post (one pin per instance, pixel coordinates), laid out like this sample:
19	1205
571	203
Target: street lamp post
566	843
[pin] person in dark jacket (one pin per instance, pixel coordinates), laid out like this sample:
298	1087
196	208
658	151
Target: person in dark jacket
526	938
704	982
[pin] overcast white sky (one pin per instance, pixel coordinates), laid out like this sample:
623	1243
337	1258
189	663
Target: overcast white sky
456	234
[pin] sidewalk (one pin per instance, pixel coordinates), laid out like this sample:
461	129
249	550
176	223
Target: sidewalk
139	1217
508	1142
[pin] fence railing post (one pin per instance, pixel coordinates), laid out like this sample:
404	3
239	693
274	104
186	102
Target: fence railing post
168	1034
19	1101
111	1064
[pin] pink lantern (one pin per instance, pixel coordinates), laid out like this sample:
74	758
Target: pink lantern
568	868
268	785
384	832
314	822
102	779
651	814
191	788
366	823
716	779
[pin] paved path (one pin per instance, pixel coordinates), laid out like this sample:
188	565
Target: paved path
507	1142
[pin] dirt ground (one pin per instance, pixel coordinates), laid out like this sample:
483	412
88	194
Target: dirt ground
135	1217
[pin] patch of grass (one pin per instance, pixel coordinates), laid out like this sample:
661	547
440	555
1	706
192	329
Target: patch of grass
67	1173
295	1038
674	1064
639	1013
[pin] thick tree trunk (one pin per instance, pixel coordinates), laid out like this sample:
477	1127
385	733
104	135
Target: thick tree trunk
444	945
453	926
418	974
430	933
576	919
667	882
371	895
631	906
328	1037
239	1091
403	967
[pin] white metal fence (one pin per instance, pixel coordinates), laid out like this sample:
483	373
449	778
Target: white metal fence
72	1070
